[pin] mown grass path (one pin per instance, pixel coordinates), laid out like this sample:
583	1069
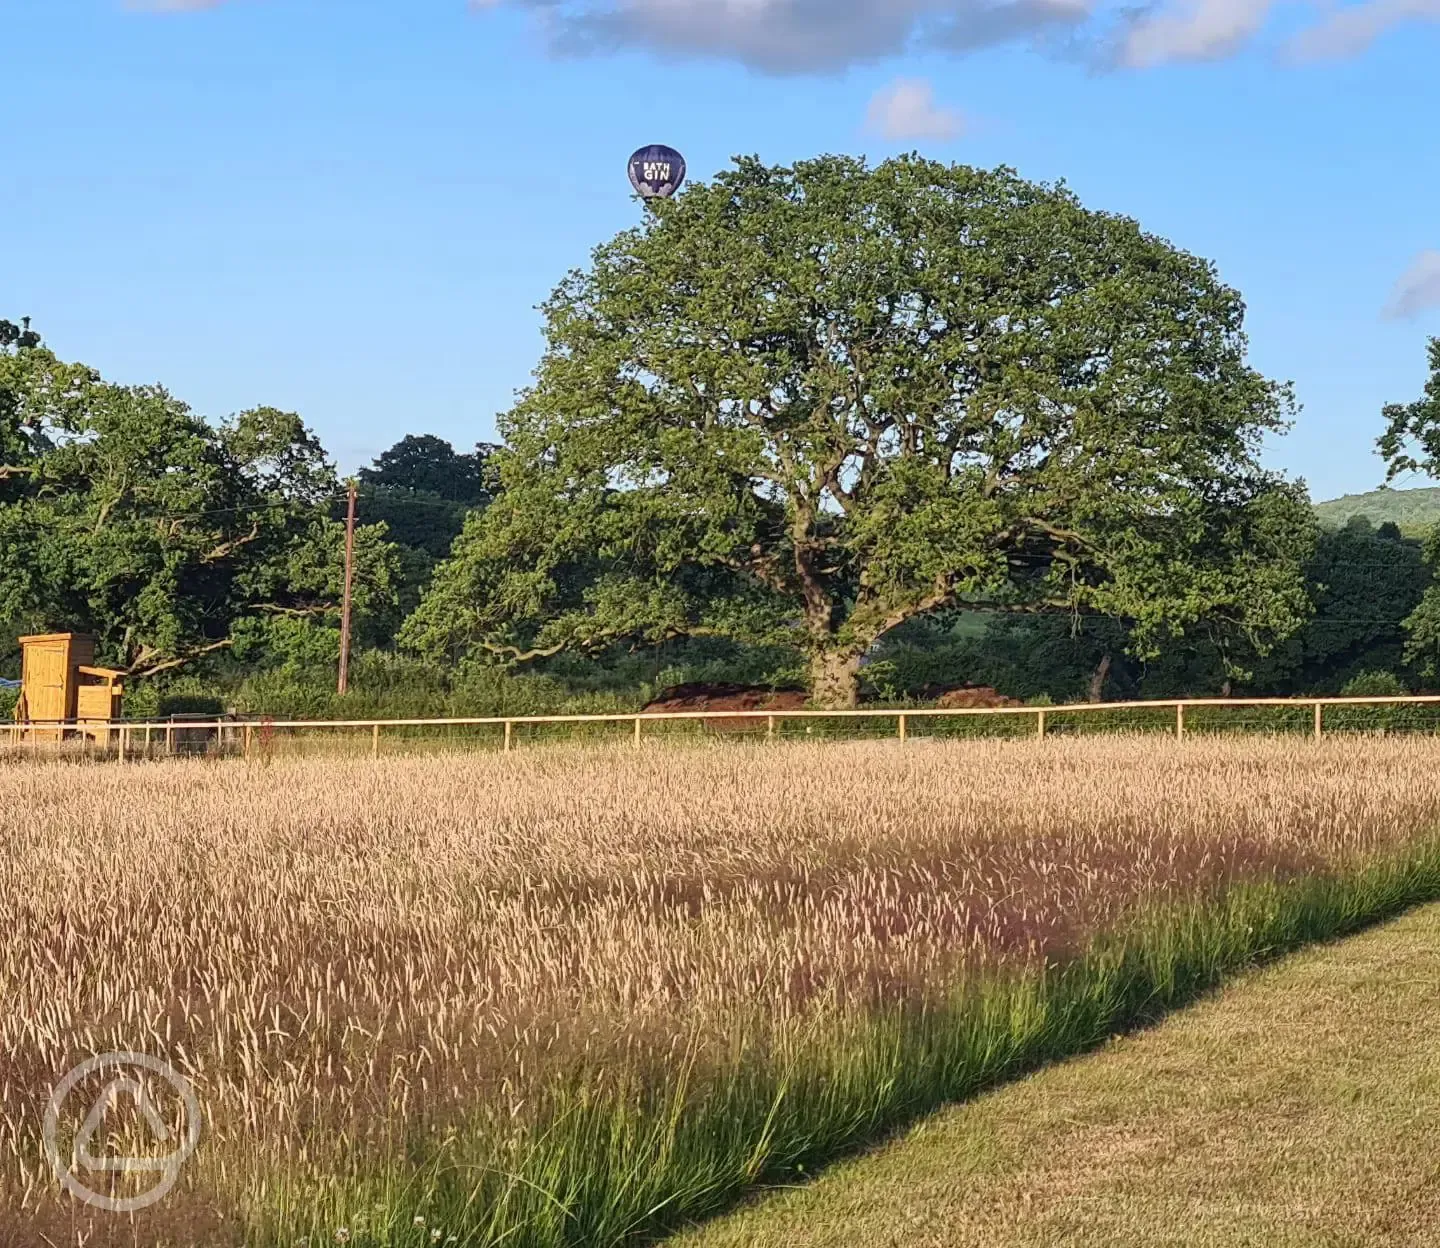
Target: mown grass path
1298	1106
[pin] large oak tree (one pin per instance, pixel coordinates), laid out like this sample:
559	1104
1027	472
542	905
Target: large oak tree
816	402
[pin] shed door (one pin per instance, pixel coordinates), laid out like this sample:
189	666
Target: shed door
44	679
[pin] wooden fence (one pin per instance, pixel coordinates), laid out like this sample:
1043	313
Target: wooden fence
141	738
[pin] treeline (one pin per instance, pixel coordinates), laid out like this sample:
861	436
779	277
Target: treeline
207	558
1371	630
951	428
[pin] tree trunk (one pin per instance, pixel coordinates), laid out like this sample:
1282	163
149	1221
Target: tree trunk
835	679
1098	679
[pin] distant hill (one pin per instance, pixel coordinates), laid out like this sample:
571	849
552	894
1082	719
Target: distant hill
1414	511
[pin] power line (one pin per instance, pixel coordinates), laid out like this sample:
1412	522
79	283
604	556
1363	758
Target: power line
320	501
376	492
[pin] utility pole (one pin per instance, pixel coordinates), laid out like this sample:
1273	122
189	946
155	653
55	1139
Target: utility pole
344	682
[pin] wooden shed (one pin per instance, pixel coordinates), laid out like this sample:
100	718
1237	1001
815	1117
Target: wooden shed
61	687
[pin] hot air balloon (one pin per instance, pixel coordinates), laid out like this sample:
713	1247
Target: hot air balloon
657	171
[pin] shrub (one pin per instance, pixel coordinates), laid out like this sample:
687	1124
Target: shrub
1374	685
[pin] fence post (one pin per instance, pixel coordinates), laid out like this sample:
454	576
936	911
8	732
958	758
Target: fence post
1040	724
375	742
123	733
147	741
1179	721
509	732
769	727
638	722
1319	720
248	731
902	730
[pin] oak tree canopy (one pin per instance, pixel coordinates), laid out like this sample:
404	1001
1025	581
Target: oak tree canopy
816	402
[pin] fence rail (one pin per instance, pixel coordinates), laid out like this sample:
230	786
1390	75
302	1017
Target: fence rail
124	739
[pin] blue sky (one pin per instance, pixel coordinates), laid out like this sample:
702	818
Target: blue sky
351	209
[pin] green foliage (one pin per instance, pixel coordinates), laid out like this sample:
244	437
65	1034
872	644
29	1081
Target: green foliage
142	699
421	490
1025	657
815	402
652	542
1373	685
167	537
425	464
1423	623
1364	584
423	523
1411	441
17	337
386	685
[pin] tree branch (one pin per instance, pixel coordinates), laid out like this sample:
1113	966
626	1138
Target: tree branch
295	612
819	606
106	508
522	656
230	547
942	594
1055	531
761	566
139	670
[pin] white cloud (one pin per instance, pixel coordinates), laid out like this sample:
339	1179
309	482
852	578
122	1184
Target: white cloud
798	36
906	109
818	36
1193	30
1350	30
1418	289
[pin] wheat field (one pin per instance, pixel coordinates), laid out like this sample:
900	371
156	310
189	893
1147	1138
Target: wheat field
392	984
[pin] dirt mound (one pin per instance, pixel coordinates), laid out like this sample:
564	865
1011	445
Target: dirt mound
725	697
973	697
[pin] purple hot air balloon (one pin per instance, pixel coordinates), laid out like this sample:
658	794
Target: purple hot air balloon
657	171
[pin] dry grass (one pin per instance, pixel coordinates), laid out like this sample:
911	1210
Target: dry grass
350	960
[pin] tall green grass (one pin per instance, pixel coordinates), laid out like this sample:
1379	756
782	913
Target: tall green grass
625	1154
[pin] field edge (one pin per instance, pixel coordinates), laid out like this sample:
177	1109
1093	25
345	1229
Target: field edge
613	1165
